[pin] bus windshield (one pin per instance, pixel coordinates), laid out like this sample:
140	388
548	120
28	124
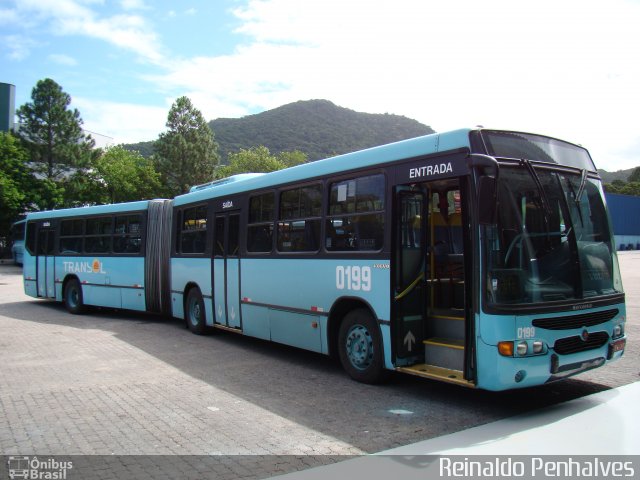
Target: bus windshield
552	240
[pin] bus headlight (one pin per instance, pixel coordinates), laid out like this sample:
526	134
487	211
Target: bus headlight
538	346
522	349
618	330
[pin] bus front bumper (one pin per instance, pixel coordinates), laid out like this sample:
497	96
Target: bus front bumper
520	372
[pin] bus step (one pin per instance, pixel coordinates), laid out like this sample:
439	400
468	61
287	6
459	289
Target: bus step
437	373
445	324
444	352
227	329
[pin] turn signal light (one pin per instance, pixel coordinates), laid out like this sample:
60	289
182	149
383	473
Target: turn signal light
505	349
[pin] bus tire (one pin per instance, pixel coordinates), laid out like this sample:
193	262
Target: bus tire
360	347
72	297
194	312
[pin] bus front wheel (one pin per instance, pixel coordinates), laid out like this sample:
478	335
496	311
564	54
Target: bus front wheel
73	297
360	347
194	312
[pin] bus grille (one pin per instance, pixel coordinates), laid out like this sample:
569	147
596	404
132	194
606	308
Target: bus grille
566	346
575	321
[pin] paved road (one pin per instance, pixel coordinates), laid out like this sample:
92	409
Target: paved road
117	383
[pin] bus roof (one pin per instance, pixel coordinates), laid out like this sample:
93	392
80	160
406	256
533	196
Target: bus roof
94	210
411	148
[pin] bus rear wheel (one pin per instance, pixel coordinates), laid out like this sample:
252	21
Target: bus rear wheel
360	347
72	296
194	312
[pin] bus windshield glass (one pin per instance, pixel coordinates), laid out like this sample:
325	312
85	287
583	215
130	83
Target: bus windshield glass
552	240
536	147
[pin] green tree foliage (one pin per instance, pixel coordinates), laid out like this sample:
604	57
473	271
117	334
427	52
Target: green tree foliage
51	131
20	190
259	160
14	177
292	158
623	188
187	153
630	187
116	175
128	176
635	176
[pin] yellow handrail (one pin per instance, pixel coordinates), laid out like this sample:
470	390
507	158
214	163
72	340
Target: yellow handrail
410	287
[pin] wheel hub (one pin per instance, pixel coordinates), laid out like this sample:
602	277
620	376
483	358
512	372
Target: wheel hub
359	346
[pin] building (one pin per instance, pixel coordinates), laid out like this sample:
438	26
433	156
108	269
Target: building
7	106
625	217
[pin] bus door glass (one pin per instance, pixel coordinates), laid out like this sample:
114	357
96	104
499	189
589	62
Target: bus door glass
409	292
45	262
226	270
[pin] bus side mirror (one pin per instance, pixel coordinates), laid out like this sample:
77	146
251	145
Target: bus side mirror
487	200
488	170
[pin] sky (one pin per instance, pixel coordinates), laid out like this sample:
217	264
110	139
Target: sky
564	68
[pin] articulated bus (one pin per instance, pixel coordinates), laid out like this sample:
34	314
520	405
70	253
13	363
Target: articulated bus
478	257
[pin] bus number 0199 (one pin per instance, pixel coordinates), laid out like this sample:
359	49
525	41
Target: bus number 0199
353	278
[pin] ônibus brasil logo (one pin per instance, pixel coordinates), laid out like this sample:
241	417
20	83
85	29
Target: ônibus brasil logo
33	468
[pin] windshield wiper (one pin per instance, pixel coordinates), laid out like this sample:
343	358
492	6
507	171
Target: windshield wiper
583	184
543	195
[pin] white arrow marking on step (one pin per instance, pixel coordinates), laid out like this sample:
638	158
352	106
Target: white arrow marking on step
409	340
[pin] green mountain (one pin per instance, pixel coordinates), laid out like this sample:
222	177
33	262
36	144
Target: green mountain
316	127
608	177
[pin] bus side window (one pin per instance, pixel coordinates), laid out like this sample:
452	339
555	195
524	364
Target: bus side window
260	228
355	220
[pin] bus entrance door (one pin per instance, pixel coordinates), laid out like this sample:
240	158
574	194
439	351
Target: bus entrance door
226	271
428	322
45	263
409	292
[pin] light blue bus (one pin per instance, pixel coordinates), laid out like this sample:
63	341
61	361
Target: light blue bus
478	257
17	241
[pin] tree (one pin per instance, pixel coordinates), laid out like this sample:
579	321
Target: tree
635	175
625	188
128	176
20	191
51	131
116	175
292	158
13	173
187	153
259	159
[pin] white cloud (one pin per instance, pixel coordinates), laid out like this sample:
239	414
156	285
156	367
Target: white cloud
70	17
125	122
62	59
566	69
133	5
8	16
18	47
